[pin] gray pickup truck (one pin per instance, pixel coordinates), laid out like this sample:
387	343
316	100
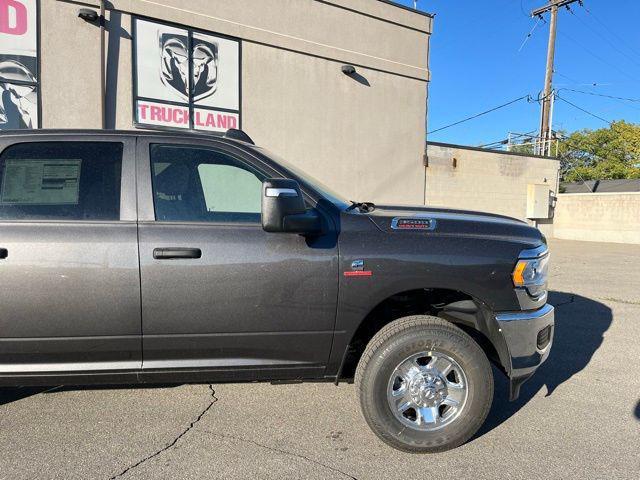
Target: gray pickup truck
135	257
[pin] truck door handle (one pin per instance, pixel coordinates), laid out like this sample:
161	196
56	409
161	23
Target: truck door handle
4	253
176	253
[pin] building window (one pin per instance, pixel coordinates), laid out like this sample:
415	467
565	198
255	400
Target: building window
19	93
185	79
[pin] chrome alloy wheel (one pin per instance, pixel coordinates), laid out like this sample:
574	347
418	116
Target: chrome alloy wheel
427	391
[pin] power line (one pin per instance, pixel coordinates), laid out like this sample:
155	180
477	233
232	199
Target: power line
526	39
628	102
615	47
612	32
584	110
598	57
582	84
626	99
504	141
528	97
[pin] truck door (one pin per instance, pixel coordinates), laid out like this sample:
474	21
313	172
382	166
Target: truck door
69	274
218	292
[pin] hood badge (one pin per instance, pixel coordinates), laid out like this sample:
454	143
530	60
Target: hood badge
413	223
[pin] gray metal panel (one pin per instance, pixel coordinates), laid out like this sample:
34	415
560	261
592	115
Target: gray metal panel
70	290
71	280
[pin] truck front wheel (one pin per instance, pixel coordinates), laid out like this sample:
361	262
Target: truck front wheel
424	385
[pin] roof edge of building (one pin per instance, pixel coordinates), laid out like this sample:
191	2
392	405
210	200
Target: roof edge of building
488	150
404	7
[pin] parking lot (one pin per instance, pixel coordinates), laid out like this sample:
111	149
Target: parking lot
579	417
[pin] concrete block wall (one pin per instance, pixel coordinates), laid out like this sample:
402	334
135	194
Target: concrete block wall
476	179
598	217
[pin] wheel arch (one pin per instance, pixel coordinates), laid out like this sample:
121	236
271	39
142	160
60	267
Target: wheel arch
458	307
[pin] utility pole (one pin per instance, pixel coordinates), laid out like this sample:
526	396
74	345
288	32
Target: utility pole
544	147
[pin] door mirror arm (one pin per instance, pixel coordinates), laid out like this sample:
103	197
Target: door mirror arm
307	223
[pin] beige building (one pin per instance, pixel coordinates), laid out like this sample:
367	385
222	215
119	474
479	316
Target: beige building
274	67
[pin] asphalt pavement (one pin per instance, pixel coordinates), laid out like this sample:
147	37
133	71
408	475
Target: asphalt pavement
579	417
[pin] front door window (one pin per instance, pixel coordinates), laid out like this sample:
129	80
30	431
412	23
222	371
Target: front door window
195	184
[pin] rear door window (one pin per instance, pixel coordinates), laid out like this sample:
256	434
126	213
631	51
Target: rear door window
61	181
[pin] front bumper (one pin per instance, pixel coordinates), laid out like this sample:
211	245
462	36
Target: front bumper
529	336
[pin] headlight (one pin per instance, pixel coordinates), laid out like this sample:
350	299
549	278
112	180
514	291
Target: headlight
532	274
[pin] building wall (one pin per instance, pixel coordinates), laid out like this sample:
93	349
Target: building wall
351	136
486	180
598	217
363	135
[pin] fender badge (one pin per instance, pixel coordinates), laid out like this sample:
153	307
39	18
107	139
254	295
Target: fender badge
413	223
359	273
357	270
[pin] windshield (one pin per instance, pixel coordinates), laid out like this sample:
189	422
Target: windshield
327	192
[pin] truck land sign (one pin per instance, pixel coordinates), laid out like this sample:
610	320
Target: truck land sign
18	64
185	79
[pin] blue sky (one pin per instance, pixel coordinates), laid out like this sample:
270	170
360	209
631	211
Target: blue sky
477	63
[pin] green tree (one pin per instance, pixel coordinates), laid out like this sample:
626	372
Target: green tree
607	153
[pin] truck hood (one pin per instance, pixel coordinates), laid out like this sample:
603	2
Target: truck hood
445	221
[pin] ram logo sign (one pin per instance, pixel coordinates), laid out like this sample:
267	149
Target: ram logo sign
185	79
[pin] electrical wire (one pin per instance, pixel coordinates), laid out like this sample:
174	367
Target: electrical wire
598	57
584	110
612	32
613	45
504	141
583	84
529	35
626	99
528	97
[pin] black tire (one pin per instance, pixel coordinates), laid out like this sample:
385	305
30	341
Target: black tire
391	346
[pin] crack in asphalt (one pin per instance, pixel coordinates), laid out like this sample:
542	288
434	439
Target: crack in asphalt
214	399
285	452
620	300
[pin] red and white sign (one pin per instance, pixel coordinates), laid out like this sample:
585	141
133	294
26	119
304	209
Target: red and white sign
18	64
215	121
175	116
161	114
186	79
14	17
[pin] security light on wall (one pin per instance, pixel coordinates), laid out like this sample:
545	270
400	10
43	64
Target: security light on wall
88	15
348	69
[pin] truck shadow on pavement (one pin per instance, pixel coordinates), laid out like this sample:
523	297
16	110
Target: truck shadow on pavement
580	324
14	394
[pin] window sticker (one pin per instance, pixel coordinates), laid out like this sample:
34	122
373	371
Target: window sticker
41	182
